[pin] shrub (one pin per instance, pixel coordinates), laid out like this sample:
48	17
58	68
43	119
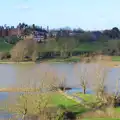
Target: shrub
21	49
4	55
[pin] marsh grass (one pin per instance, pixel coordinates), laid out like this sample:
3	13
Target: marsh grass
108	113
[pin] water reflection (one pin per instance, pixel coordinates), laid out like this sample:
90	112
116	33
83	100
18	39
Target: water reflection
3	96
28	75
5	116
7	75
32	75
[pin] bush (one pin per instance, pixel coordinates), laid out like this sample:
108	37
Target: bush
4	55
34	56
21	49
12	39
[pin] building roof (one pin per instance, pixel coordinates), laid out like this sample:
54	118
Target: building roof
41	30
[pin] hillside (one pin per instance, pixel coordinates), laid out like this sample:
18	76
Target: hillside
4	47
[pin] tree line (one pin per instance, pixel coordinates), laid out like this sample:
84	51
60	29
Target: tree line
113	33
29	49
63	45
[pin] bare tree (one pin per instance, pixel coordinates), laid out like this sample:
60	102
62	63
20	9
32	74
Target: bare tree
99	75
66	46
116	95
38	102
22	49
22	107
34	55
83	76
31	103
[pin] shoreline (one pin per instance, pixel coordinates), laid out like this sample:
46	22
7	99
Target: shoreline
31	62
108	63
114	64
19	90
11	62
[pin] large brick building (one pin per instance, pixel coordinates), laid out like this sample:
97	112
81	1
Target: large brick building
4	32
15	31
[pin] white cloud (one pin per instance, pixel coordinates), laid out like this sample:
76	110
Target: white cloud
23	7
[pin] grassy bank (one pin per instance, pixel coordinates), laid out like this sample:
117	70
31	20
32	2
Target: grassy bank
18	90
10	62
71	59
86	97
55	100
55	60
116	58
4	47
92	47
83	47
58	99
74	59
105	114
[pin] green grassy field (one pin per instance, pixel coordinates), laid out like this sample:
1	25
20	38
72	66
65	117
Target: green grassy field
90	47
115	58
82	47
58	99
4	47
117	109
91	98
87	97
54	100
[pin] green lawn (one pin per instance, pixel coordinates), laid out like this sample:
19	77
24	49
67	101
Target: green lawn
87	97
117	109
78	109
4	47
115	58
59	99
90	47
55	100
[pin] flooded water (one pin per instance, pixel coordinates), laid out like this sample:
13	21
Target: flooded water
18	75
